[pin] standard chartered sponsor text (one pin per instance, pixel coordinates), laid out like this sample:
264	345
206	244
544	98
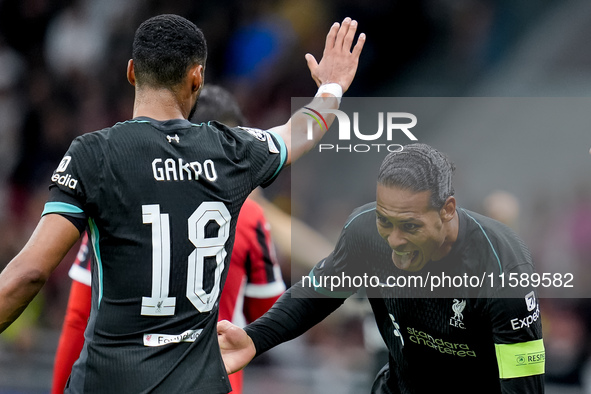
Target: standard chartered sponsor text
455	349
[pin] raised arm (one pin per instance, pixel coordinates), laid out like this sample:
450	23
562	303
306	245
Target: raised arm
24	276
337	66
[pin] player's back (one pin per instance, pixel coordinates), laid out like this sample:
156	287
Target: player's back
162	200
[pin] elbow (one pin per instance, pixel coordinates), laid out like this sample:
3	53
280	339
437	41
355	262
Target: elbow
33	278
28	282
17	289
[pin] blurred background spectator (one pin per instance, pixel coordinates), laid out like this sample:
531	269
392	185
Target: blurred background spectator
62	73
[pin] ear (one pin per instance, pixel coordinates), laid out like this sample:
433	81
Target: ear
197	77
130	72
448	210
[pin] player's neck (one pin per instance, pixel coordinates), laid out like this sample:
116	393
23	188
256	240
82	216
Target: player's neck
452	231
159	104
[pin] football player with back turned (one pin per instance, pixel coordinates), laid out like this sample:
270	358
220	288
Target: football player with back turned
161	197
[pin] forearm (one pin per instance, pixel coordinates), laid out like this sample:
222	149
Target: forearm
295	133
26	274
290	317
17	290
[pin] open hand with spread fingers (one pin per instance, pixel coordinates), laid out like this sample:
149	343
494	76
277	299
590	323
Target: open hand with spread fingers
340	58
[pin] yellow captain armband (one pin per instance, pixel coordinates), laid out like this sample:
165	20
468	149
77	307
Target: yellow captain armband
518	360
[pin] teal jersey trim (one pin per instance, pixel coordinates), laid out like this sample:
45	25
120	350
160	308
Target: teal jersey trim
487	238
282	152
359	214
60	207
132	121
94	236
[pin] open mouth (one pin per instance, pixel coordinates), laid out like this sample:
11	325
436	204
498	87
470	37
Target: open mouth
404	260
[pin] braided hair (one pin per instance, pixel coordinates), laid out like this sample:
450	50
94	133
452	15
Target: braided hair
419	167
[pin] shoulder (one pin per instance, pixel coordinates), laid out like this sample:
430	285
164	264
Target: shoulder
493	231
244	133
243	136
498	240
94	136
360	229
362	217
82	153
92	141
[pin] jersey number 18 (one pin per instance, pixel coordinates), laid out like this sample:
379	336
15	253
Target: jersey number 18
159	303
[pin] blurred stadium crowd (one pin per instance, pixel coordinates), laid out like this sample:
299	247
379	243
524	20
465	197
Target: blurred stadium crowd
62	73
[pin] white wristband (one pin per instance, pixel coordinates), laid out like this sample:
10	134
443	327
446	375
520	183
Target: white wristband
332	88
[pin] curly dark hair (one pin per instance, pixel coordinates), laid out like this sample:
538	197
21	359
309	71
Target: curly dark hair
419	167
164	48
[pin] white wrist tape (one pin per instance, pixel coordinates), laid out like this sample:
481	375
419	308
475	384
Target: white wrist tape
332	88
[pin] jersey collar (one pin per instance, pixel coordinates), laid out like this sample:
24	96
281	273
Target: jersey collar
166	125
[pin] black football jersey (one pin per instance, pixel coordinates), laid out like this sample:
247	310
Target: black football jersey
470	339
162	199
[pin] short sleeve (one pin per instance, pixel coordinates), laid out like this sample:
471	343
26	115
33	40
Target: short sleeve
517	336
266	153
73	180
